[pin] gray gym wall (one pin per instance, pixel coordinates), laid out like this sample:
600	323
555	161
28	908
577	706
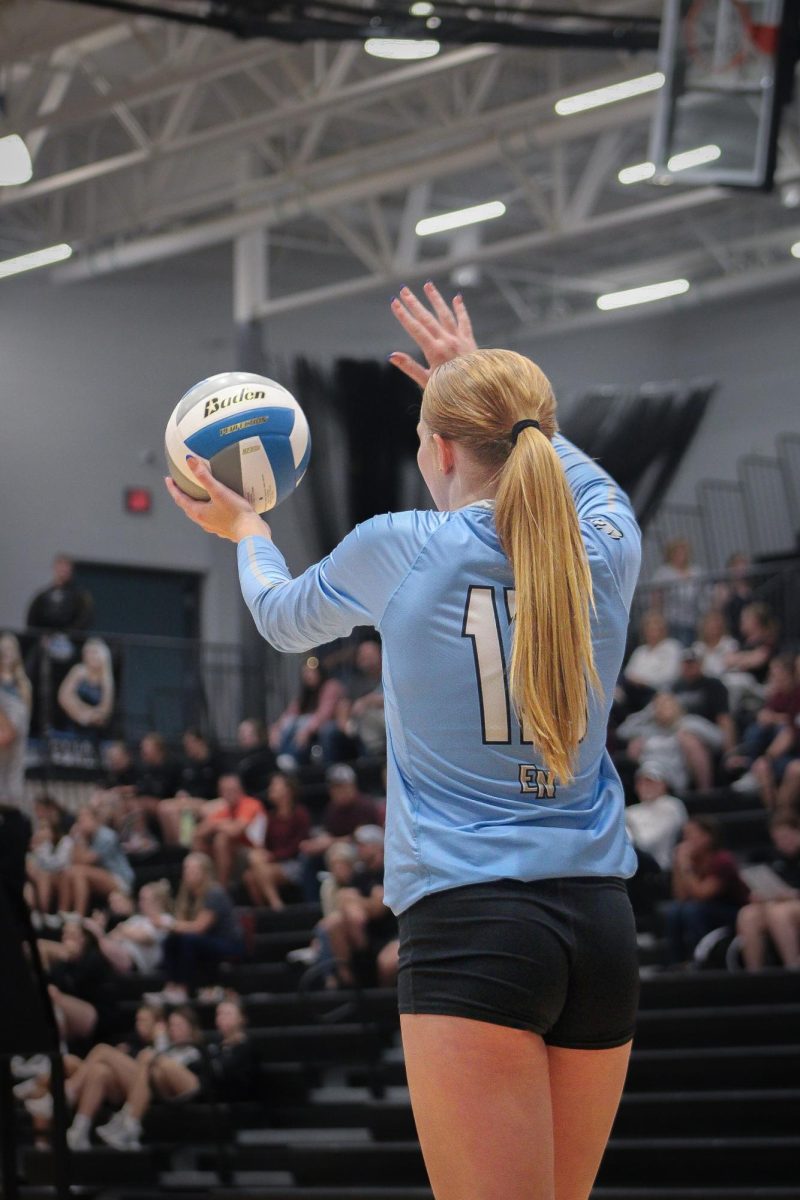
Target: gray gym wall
91	372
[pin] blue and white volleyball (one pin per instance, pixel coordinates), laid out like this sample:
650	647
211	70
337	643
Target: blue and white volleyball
250	430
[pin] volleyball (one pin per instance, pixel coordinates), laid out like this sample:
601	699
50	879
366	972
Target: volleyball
249	429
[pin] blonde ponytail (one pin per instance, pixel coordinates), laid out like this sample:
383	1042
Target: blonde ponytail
476	400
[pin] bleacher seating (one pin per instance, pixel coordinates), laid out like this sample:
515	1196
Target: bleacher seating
709	1111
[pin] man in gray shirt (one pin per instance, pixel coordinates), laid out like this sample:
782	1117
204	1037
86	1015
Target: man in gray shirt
14	719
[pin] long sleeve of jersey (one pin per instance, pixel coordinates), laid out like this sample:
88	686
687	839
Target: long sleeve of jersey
605	513
351	586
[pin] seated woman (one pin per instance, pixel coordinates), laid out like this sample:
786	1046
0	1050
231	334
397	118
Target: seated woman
203	933
130	1084
80	981
150	1031
279	862
746	668
135	944
714	643
50	855
98	866
706	887
232	1060
295	731
652	667
86	693
777	921
761	736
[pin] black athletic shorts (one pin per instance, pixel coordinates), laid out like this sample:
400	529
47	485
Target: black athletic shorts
553	956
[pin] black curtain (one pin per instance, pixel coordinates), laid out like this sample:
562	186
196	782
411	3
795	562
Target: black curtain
367	411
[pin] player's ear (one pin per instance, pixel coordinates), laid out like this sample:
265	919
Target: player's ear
445	459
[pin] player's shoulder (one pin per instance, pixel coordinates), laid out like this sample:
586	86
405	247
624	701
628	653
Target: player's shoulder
414	525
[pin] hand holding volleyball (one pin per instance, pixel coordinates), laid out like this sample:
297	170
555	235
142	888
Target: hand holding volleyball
237	444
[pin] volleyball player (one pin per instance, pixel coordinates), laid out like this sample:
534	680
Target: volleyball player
503	615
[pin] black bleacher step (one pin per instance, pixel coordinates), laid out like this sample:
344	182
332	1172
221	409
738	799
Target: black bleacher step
273	947
744	828
250	977
293	916
724	1066
719	801
651	1070
731	1025
753	1113
370	1004
720	1161
98	1166
318	1043
695	989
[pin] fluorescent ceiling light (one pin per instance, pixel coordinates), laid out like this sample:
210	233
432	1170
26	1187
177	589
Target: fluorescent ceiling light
637	172
37	258
693	158
401	47
679	162
643	295
796	250
421	8
15	161
608	95
460	217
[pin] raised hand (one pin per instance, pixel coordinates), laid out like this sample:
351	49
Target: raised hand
441	335
225	513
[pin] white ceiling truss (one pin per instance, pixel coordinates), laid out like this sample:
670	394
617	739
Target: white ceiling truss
153	139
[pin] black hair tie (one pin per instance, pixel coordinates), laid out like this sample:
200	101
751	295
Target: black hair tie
520	425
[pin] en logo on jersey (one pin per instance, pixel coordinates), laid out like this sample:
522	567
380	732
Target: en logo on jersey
537	781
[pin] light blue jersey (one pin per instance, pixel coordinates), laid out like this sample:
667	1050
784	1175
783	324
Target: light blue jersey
469	798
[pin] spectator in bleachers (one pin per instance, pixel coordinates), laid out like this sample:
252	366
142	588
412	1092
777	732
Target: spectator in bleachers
654	735
86	693
50	855
362	926
735	592
706	887
13	677
775	921
203	933
233	825
679	601
174	1073
15	717
653	666
200	769
79	981
714	643
157	776
298	727
62	605
135	944
119	773
110	1076
746	668
346	809
97	867
704	700
255	763
656	821
198	783
341	860
359	720
762	737
279	862
778	769
232	1059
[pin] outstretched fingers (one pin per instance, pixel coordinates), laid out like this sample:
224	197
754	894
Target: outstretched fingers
410	367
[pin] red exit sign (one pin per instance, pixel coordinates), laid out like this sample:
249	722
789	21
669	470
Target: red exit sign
138	500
